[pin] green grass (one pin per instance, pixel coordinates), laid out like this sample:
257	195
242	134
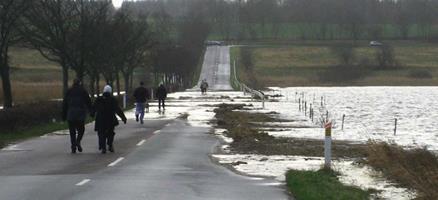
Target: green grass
35	131
197	73
233	55
322	184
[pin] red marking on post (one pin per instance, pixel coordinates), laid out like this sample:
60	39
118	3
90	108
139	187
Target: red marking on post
328	125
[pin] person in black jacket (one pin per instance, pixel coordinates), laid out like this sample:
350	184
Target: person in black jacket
161	94
75	105
141	95
106	107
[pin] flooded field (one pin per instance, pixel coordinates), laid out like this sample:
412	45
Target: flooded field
370	113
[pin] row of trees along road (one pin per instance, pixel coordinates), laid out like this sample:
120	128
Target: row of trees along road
316	19
96	41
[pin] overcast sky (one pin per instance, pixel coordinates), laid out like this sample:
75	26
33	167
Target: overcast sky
117	3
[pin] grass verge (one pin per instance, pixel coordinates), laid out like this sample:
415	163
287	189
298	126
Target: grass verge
34	131
322	184
415	168
197	72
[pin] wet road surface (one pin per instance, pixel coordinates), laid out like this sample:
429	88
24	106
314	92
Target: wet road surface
165	158
216	68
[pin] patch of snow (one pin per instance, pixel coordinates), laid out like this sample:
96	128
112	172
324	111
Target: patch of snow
220	133
350	173
13	147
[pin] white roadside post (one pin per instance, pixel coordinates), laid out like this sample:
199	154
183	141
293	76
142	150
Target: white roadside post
328	144
124	101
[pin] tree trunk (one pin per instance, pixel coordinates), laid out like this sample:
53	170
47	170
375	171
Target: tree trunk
6	81
126	79
92	89
131	82
97	84
64	79
118	84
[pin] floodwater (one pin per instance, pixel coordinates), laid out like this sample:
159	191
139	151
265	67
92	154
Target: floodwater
350	174
370	113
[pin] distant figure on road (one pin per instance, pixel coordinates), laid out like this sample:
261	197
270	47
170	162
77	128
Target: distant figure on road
161	94
204	86
141	95
75	105
106	107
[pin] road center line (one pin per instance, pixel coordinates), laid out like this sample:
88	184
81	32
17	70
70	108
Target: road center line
115	162
83	182
141	142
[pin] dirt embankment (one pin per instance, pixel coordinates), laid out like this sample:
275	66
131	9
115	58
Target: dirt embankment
248	138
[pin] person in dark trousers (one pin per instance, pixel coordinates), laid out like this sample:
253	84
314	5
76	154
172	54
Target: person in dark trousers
106	107
204	86
161	94
75	106
141	95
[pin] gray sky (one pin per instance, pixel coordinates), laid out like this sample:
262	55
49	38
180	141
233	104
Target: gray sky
117	3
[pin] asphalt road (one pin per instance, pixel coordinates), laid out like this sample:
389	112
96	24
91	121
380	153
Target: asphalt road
216	68
158	160
161	159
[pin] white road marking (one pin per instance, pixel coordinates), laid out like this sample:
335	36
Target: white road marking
83	182
272	184
141	142
168	124
115	162
255	178
157	132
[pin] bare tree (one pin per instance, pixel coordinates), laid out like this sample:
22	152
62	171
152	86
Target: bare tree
10	13
133	43
58	30
385	57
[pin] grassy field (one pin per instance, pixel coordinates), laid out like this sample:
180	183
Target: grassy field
309	31
322	184
301	63
33	77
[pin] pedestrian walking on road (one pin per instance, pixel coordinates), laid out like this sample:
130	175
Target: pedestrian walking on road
106	107
204	86
141	95
161	94
75	106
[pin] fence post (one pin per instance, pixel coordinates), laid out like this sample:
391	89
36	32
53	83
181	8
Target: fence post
322	98
124	101
263	103
296	93
395	126
343	119
313	114
299	102
310	111
328	145
152	94
305	108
